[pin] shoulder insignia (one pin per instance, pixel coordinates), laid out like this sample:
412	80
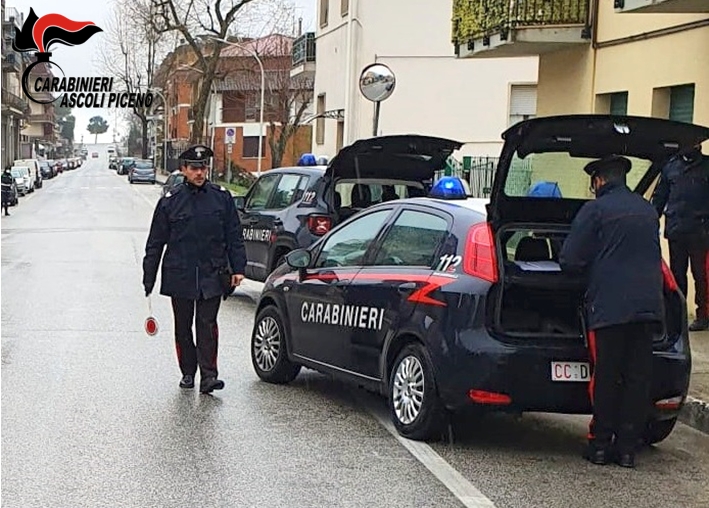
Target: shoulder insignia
223	188
168	194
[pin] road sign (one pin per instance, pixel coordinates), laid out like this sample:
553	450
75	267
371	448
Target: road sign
230	135
228	148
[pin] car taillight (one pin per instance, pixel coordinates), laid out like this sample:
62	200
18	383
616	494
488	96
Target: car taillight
480	259
668	278
319	224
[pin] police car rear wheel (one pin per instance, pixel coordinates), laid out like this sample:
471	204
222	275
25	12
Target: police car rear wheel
659	430
269	354
416	409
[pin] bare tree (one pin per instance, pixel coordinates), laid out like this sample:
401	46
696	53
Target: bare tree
132	55
203	24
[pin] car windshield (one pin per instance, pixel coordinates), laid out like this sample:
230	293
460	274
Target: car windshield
143	165
559	174
18	172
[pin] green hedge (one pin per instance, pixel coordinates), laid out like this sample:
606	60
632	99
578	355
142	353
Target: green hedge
473	19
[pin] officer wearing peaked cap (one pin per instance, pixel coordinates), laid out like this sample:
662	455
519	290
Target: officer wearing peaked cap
198	228
613	244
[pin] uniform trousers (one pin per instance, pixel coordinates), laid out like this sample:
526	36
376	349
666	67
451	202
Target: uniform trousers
620	383
692	250
204	354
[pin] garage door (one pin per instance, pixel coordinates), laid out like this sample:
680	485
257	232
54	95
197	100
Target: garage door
682	103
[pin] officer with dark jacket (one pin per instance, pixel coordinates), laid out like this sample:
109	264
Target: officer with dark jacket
683	195
8	181
204	260
614	242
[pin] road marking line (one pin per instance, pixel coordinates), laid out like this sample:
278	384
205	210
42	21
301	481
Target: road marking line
459	486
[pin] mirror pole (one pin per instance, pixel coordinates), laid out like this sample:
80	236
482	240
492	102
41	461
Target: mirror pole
377	105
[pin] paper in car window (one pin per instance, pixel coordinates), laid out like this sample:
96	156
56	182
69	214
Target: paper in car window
539	266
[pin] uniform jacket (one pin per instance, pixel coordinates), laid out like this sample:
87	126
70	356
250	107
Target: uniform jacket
203	235
614	242
7	181
683	195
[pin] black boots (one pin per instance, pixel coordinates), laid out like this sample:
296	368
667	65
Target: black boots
602	456
187	381
699	325
210	384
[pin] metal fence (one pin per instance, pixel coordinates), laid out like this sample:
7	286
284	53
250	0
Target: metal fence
479	172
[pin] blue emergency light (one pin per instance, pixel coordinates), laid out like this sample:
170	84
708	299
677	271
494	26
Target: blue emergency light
307	159
450	187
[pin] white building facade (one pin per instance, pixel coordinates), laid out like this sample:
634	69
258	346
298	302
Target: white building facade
472	101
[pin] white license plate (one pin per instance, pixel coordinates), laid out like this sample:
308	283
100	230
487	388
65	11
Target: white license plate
570	371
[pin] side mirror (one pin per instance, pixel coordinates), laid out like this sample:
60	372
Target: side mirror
299	258
240	202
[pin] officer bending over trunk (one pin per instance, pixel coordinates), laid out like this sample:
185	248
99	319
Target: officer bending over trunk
204	260
614	243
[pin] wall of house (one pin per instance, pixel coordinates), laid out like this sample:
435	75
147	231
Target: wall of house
435	93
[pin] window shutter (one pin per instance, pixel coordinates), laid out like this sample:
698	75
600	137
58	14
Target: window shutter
523	100
682	103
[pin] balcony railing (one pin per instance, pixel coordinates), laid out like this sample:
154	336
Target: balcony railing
304	49
43	118
476	19
13	101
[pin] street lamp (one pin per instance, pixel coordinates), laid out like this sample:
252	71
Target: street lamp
164	130
263	91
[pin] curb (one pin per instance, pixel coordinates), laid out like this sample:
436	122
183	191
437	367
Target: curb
695	413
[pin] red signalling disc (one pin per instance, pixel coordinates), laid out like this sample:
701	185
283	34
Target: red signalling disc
151	326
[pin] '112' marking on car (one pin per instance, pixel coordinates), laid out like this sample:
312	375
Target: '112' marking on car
257	235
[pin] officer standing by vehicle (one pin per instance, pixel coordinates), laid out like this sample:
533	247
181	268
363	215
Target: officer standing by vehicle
7	181
613	241
204	261
682	194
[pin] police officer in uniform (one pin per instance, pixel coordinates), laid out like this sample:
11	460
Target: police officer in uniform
682	194
7	183
614	243
204	260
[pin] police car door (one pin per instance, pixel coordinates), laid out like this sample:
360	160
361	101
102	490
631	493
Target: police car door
322	317
395	280
255	215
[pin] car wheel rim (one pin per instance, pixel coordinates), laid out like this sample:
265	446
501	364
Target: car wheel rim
407	390
267	343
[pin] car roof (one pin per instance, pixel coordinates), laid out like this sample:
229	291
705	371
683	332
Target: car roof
303	170
452	206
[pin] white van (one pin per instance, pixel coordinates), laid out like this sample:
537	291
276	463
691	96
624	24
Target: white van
35	171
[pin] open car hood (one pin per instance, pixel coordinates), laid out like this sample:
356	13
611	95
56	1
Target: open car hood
587	136
404	157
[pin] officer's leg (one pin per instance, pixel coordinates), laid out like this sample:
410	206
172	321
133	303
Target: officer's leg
604	345
207	337
699	258
679	262
635	400
183	311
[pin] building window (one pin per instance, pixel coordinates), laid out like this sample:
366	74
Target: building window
324	12
344	7
251	147
523	103
233	107
320	122
619	104
682	103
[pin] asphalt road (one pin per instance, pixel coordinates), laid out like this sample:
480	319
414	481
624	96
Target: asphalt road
92	415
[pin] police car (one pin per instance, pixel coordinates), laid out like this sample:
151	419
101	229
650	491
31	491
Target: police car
291	208
444	304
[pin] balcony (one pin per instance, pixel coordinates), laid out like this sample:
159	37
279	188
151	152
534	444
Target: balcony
48	118
662	6
304	56
515	28
12	61
14	103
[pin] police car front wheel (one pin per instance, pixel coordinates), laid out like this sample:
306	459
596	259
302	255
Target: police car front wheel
415	407
269	354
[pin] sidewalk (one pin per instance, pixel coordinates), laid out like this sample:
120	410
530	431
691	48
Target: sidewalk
696	410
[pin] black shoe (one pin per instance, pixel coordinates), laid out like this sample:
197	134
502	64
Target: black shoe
187	381
699	325
625	460
210	384
595	455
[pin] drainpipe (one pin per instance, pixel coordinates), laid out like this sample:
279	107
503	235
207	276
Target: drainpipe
348	76
594	48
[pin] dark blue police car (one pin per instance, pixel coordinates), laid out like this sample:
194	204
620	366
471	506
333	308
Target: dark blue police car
443	304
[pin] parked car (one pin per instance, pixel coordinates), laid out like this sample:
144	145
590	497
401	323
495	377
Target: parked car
142	170
46	170
290	208
444	305
176	178
34	169
124	166
23	180
94	155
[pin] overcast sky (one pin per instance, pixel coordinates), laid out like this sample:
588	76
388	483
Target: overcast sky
81	61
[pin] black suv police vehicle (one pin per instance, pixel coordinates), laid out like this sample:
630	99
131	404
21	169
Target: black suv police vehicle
291	208
448	304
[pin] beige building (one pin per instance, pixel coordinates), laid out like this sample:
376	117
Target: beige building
624	57
436	93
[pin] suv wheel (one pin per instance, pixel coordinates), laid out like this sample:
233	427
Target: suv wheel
414	404
659	430
269	350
